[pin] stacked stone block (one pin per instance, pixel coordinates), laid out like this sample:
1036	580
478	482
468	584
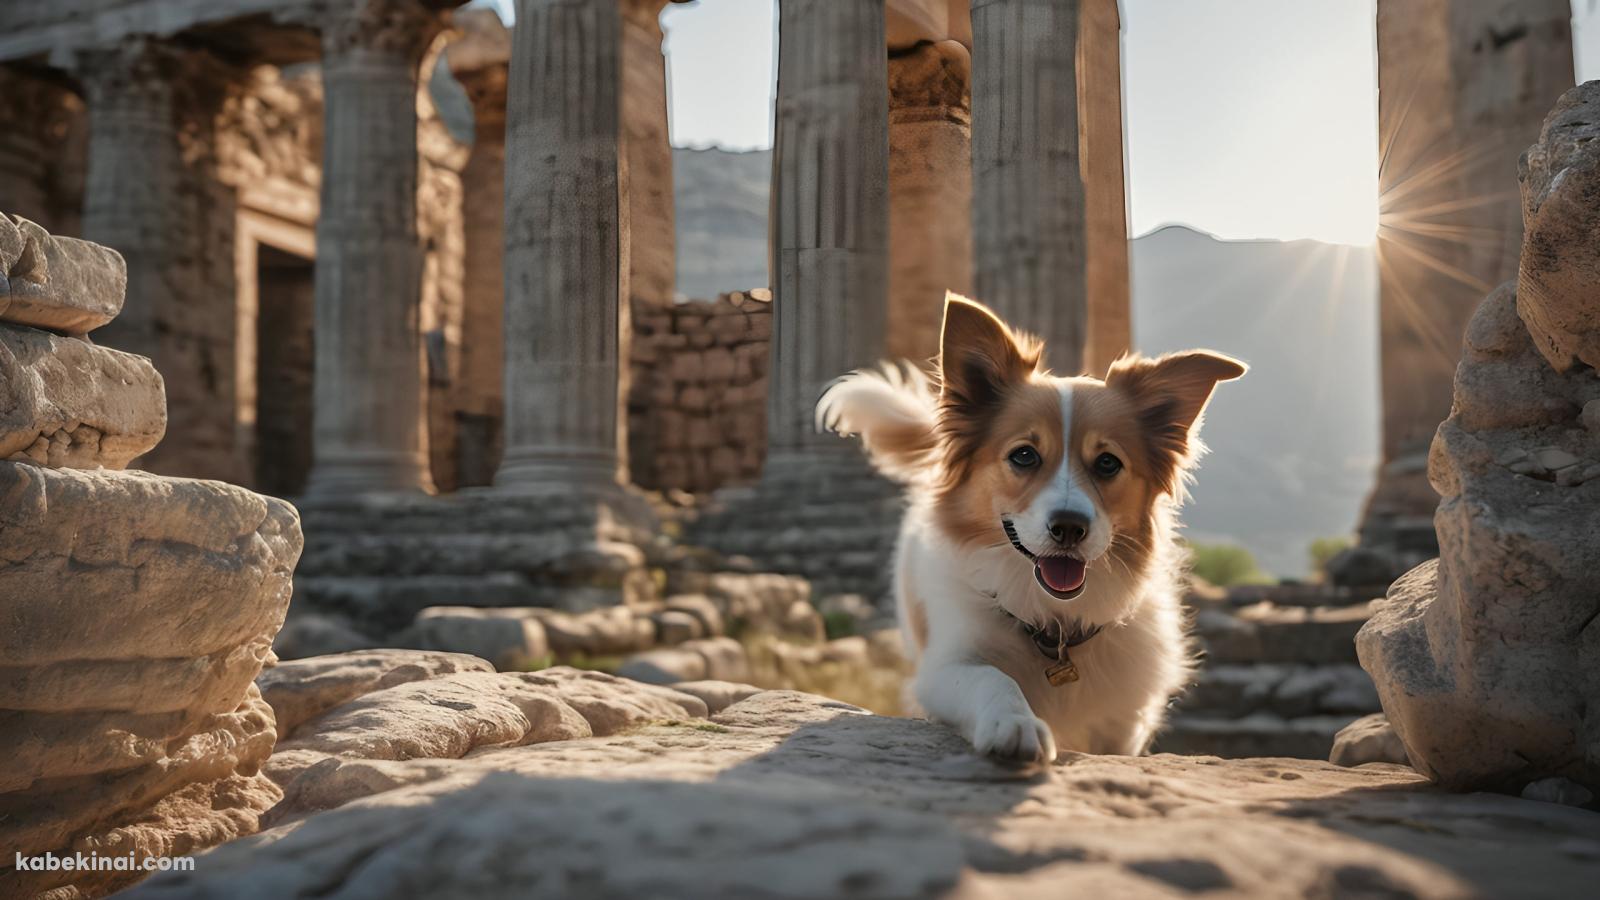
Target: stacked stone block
698	402
138	609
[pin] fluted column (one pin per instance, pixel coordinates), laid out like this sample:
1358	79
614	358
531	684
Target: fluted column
565	252
153	194
830	217
368	432
930	191
1039	103
479	61
37	112
132	193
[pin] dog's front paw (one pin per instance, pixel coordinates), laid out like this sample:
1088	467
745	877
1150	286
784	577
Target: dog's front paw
1018	737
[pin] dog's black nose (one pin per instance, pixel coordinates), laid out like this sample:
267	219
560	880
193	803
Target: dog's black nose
1067	528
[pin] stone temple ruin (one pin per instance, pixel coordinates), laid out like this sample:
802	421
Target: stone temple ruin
596	522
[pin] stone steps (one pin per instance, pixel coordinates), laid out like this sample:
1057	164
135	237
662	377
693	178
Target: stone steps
1277	634
1260	734
1279	674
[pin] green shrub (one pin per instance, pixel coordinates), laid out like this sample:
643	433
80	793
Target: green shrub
1324	549
1226	564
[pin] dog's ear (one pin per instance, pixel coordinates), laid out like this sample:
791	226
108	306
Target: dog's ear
979	357
1170	392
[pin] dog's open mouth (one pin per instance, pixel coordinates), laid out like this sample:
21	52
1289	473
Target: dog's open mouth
1062	577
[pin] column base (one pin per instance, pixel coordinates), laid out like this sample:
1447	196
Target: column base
344	473
818	512
540	468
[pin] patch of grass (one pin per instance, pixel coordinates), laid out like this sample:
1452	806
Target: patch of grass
838	624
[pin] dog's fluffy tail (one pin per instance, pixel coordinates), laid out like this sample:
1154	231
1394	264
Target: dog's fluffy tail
894	409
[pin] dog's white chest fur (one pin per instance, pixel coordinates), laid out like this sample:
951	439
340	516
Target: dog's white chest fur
966	606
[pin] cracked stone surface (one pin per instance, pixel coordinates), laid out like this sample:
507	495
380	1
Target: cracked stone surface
794	795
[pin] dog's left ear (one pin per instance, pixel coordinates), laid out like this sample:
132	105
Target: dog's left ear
1170	392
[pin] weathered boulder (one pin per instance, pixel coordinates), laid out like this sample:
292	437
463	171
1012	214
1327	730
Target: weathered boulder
138	611
1560	268
792	795
508	642
62	284
1369	739
303	689
67	403
1488	661
717	695
404	715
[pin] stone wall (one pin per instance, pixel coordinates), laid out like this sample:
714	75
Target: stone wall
698	400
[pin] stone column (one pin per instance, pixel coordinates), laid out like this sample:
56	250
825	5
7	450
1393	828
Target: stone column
830	220
1463	88
566	251
1047	173
152	193
647	155
1104	184
368	419
37	112
479	62
930	191
818	510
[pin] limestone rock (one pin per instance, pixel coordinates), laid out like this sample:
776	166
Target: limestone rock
302	689
405	725
67	403
165	548
62	284
508	643
1485	660
138	611
792	795
717	695
664	666
1560	177
1368	739
306	634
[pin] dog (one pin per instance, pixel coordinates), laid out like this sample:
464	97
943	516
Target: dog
1037	572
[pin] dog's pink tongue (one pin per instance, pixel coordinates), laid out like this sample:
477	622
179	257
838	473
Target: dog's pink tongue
1061	573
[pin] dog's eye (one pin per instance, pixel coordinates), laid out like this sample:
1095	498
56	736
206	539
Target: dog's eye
1024	457
1106	465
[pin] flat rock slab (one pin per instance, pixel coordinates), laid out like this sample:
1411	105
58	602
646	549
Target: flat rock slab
793	795
59	283
67	403
137	611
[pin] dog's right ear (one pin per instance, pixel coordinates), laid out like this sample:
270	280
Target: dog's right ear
979	357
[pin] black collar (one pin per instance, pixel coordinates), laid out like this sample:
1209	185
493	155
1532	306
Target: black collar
1053	641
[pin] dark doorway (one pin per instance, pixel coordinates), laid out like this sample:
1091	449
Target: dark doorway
283	372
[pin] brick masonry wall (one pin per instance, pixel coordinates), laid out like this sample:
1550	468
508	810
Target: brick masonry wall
697	405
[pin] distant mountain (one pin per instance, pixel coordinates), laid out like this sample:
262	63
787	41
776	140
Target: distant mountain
1294	443
720	200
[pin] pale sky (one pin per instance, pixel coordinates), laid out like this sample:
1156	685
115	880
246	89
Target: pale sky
1245	118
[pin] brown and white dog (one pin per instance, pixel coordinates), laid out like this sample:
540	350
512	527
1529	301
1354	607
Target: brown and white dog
1037	570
